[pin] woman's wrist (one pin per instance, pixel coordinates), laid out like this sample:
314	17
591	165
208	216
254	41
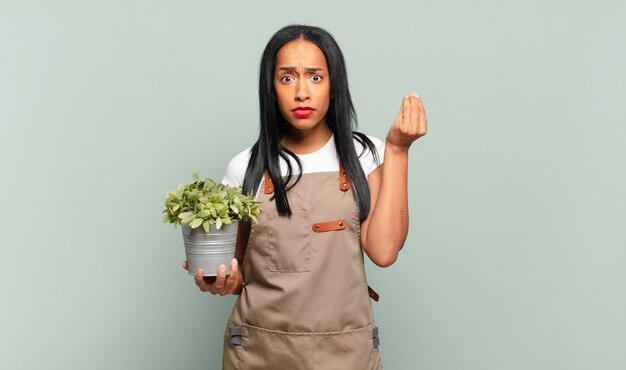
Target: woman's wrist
396	149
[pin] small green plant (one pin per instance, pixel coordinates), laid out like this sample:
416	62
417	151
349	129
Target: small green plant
203	202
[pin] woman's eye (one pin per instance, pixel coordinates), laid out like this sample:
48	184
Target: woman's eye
316	78
286	79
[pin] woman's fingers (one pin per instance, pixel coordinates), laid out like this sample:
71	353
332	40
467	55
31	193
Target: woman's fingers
406	113
220	279
221	284
414	120
410	123
410	113
233	279
398	120
423	120
185	266
199	278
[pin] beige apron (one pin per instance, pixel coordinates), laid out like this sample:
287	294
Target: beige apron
305	302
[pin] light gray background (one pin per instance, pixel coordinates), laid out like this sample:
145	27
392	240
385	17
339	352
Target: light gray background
516	254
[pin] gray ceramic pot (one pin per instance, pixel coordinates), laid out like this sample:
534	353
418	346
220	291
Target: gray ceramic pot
209	250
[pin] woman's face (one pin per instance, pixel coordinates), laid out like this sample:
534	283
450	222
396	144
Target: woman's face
302	84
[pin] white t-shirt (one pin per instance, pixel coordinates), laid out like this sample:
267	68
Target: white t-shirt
324	159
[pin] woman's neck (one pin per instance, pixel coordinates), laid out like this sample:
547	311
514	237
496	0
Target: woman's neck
306	141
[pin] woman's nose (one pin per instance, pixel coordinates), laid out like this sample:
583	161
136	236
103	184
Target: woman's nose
302	90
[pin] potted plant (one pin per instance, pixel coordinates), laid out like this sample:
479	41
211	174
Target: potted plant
209	214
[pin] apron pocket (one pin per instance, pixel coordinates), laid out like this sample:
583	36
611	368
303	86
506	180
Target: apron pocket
289	247
265	349
350	349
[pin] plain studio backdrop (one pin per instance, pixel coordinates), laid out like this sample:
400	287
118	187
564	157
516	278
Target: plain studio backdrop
516	254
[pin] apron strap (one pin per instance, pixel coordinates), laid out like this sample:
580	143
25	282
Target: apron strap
269	186
344	182
373	294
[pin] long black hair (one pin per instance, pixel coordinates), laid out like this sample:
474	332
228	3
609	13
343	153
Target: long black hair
340	117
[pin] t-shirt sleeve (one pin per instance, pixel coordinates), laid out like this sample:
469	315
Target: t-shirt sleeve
367	158
236	169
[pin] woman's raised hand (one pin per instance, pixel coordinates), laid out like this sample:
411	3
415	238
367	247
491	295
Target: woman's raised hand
223	284
410	123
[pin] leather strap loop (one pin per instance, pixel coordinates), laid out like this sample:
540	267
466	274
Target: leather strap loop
344	182
320	227
373	294
236	335
269	185
375	338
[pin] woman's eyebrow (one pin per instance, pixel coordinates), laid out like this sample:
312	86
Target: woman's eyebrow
307	69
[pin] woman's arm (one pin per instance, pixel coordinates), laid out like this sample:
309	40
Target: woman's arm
384	230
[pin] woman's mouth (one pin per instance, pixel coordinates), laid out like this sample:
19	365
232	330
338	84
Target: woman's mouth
302	112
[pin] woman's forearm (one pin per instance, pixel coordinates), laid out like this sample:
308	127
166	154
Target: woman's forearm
389	220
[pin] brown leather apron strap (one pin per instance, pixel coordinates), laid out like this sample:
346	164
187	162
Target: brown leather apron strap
269	185
373	294
344	182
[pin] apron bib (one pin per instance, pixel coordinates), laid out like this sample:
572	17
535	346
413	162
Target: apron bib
305	302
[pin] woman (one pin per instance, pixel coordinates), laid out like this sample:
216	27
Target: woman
326	198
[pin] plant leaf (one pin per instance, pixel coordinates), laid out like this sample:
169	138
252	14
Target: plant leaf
195	223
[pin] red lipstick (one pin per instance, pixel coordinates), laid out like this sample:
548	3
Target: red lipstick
302	112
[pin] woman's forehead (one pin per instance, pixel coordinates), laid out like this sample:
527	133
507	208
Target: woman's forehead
300	53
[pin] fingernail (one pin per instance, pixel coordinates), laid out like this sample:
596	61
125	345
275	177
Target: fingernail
222	267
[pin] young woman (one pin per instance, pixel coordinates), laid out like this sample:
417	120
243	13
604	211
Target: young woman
304	300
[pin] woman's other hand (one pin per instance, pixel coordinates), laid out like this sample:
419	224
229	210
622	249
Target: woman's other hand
221	284
410	123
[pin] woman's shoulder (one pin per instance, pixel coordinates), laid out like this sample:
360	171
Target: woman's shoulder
320	161
236	168
369	159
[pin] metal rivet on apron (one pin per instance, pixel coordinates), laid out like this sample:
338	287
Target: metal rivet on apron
317	227
345	184
341	224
